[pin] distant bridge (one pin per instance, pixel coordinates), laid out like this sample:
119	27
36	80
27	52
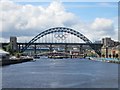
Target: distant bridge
24	46
54	54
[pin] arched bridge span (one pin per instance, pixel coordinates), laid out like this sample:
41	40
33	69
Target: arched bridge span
63	29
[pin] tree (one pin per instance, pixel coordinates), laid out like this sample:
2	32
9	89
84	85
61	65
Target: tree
11	51
8	49
113	55
103	55
110	55
116	55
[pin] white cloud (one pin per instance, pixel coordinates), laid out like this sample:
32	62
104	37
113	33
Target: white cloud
101	23
103	27
99	28
26	21
19	19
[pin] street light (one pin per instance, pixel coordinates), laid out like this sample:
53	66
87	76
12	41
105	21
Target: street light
106	51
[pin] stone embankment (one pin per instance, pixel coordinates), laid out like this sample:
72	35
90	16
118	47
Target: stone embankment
15	61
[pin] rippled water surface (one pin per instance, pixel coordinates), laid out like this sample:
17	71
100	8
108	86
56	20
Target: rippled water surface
60	73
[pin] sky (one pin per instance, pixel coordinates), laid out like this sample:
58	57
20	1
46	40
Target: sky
25	20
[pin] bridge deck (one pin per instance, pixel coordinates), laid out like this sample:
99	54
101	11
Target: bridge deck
55	44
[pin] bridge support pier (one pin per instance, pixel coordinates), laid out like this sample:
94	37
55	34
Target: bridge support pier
66	47
51	48
34	48
97	49
22	47
80	49
19	48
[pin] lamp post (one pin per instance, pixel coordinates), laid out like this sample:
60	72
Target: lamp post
106	52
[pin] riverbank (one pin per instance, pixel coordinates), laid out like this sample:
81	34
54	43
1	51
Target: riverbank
14	61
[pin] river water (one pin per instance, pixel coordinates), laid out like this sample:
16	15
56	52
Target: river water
60	73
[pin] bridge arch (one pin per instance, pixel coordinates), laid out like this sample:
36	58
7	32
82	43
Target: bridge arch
61	29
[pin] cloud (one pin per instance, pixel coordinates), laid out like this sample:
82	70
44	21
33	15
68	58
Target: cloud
97	29
26	21
20	19
103	27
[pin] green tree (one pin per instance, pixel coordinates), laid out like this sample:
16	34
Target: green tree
103	55
113	55
110	55
116	55
8	49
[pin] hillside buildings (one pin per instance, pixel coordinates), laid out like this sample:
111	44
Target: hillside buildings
110	47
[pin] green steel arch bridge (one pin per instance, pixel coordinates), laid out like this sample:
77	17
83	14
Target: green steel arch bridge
59	33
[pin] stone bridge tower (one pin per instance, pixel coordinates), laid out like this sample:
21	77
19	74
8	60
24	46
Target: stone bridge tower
13	44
